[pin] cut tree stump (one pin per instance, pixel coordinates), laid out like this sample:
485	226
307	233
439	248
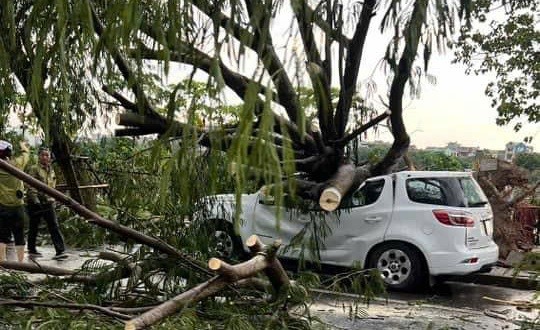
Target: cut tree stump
263	260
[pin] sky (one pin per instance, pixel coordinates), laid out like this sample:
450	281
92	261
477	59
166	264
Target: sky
456	110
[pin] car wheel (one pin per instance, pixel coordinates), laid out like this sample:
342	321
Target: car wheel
224	243
400	265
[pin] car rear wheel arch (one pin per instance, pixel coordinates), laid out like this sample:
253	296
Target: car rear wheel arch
422	273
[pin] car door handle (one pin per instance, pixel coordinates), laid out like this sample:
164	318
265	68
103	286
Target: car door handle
303	219
372	219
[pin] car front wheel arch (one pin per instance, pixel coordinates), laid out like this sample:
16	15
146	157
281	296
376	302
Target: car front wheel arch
224	242
402	265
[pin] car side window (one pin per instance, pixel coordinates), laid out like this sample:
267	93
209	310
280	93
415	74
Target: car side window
368	194
426	191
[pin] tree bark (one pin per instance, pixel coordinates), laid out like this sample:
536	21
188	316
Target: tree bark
96	308
275	271
228	274
338	186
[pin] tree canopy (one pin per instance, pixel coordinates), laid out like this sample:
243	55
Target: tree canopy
76	61
503	40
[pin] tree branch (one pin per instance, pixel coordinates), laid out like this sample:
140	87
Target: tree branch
345	140
96	219
227	275
124	102
494	190
321	89
263	46
319	74
337	187
413	33
354	57
180	53
96	308
123	66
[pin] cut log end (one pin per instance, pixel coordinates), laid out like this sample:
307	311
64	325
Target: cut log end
277	243
130	325
214	264
330	199
254	244
252	241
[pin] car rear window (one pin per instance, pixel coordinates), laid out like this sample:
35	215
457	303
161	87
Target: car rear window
448	191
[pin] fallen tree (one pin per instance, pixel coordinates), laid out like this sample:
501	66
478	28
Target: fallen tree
314	141
506	188
79	60
264	260
239	275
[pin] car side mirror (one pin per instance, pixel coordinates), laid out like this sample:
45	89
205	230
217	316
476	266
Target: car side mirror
267	200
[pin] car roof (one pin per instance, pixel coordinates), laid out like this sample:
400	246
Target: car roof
422	174
417	174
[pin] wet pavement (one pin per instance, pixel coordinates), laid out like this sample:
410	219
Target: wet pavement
457	306
458	295
451	305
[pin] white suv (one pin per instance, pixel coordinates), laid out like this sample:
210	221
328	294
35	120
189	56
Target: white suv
408	225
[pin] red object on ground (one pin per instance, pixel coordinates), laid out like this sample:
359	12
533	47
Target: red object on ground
528	216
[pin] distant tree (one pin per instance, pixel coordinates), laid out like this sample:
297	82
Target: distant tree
435	161
503	40
530	161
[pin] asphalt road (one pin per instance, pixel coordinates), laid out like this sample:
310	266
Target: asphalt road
450	306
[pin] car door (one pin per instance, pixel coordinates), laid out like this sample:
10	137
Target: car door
272	223
359	223
345	235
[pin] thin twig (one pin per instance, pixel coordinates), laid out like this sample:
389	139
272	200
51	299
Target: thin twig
32	304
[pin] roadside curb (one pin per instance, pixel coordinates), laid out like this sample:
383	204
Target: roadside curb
522	281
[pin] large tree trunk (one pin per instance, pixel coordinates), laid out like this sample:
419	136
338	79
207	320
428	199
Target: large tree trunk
73	171
62	152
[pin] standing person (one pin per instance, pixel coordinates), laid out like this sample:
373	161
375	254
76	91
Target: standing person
12	213
41	206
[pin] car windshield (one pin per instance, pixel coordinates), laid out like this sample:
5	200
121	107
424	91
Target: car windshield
448	191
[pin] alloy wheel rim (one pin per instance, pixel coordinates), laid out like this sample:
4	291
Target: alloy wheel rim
223	244
394	266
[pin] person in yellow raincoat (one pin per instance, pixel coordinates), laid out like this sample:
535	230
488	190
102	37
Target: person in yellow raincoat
41	207
12	210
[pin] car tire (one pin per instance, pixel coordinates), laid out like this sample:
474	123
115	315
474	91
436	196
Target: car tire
224	243
401	266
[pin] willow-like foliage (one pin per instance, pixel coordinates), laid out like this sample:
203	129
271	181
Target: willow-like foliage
77	63
66	54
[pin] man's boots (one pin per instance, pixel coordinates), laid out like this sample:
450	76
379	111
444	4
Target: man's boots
19	249
3	249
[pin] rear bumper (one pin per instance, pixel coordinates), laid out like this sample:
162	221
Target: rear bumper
454	263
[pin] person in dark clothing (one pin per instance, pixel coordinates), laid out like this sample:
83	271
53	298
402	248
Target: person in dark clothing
41	206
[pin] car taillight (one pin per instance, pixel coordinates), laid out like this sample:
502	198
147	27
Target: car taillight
454	218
